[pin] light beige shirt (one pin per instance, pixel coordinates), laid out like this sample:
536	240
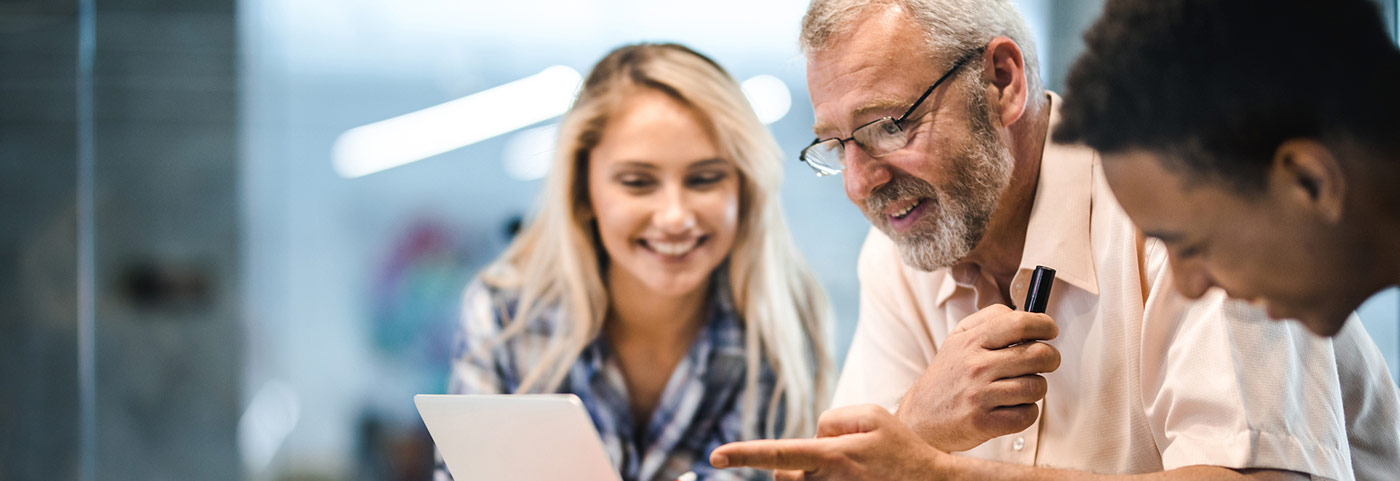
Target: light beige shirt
1149	380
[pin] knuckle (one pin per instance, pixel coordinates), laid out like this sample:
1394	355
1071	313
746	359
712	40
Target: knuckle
769	452
974	397
961	340
1032	323
983	422
1043	355
977	368
780	458
1032	413
1042	350
1039	387
1050	322
1012	420
974	370
1023	320
1026	416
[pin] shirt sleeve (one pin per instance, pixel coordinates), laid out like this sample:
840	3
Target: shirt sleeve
1225	386
1371	402
890	348
474	367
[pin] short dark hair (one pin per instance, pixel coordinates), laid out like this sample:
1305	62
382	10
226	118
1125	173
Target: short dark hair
1220	84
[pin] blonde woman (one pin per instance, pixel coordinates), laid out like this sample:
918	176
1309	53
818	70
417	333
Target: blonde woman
658	281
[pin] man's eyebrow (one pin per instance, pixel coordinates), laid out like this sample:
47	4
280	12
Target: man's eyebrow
864	111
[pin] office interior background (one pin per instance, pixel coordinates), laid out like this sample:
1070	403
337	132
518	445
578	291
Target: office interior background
218	261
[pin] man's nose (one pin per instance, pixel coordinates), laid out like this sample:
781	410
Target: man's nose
863	173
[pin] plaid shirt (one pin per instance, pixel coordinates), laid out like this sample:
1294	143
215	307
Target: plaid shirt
699	409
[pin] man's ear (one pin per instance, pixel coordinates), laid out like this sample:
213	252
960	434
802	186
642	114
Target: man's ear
1005	67
1306	172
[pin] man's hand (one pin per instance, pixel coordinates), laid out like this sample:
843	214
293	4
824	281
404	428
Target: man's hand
868	443
984	381
856	442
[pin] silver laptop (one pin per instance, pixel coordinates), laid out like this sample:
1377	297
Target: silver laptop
515	437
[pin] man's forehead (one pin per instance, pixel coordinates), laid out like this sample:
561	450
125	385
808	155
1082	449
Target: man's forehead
872	69
845	96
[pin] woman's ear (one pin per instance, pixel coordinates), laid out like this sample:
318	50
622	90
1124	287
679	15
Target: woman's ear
1305	173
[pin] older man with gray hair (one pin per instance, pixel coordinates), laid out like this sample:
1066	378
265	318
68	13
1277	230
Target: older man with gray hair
933	113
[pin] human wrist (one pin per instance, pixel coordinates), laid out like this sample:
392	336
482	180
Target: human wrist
930	432
946	466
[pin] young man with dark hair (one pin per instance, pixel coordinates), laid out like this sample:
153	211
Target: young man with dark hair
1257	139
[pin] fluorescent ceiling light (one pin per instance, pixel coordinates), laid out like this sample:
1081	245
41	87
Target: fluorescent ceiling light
445	127
769	97
529	153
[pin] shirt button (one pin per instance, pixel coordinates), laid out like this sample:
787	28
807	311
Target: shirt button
1019	443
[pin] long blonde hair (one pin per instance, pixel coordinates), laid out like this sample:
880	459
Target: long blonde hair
554	262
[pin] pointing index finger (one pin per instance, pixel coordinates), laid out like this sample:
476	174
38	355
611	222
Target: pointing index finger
790	454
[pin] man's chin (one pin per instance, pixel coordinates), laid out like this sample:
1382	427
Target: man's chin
1324	325
921	254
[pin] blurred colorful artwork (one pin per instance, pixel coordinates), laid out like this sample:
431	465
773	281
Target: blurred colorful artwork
415	300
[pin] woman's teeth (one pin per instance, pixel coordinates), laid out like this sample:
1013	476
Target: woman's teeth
673	248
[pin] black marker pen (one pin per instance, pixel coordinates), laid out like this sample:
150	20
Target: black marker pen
1039	294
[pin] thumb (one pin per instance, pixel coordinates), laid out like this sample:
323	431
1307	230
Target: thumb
851	420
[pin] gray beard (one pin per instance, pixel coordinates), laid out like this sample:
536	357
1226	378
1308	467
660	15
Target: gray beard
957	216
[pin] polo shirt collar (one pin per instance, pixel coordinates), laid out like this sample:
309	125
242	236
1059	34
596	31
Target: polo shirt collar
1057	235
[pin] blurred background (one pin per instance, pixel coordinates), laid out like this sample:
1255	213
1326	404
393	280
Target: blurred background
220	260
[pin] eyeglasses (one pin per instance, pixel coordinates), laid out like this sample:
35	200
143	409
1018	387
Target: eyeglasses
877	137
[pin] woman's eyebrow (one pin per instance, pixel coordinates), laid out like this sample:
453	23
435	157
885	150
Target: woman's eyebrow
706	163
634	164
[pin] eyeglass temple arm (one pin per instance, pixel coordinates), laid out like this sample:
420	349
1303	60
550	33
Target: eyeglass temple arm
936	83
